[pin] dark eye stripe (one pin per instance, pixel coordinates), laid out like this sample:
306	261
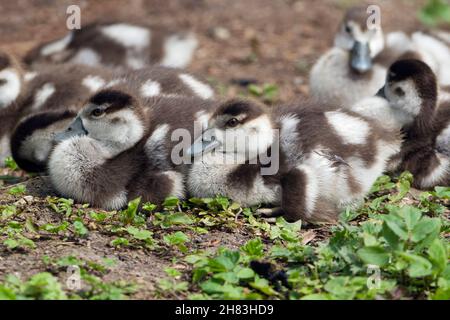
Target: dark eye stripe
113	97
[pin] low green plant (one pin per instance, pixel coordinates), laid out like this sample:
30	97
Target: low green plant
435	12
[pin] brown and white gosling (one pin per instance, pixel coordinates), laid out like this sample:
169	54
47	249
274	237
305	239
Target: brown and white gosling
120	147
33	138
327	158
118	45
25	93
412	93
356	66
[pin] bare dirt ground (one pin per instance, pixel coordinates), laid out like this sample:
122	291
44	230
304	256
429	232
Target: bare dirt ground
271	41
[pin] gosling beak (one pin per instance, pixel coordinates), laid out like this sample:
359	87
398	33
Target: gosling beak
360	59
202	145
76	128
381	93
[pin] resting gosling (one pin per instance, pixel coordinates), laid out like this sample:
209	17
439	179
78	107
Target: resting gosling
327	158
11	89
412	92
356	67
118	45
120	147
48	103
347	73
33	138
24	93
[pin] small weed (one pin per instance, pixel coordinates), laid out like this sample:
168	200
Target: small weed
268	92
435	12
17	190
11	164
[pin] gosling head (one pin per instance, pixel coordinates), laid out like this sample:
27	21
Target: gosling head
411	88
10	80
33	138
239	128
113	118
363	40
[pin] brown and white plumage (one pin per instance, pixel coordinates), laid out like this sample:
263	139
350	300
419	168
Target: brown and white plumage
118	45
411	89
328	158
125	144
355	68
32	139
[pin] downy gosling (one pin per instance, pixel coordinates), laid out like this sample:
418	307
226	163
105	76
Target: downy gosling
24	93
120	147
118	45
311	161
412	93
356	66
33	138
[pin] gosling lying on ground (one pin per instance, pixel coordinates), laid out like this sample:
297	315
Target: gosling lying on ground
33	138
356	66
411	90
119	147
118	45
327	158
53	88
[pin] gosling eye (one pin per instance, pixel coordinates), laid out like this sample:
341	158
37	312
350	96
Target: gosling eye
97	112
399	91
233	122
348	29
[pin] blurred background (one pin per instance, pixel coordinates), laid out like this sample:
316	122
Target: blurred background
273	42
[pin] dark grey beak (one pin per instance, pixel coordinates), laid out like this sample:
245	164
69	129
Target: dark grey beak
381	93
360	59
203	145
76	128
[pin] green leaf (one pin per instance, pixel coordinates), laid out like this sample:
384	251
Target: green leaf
227	277
341	288
227	261
438	255
11	243
19	189
254	248
171	202
131	211
120	242
79	228
396	225
8	212
176	238
11	164
425	227
149	207
245	273
178	218
44	286
263	286
442	192
411	216
140	234
7	293
374	255
418	266
172	272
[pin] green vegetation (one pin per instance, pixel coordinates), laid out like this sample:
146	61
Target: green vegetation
86	284
395	246
268	93
435	12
